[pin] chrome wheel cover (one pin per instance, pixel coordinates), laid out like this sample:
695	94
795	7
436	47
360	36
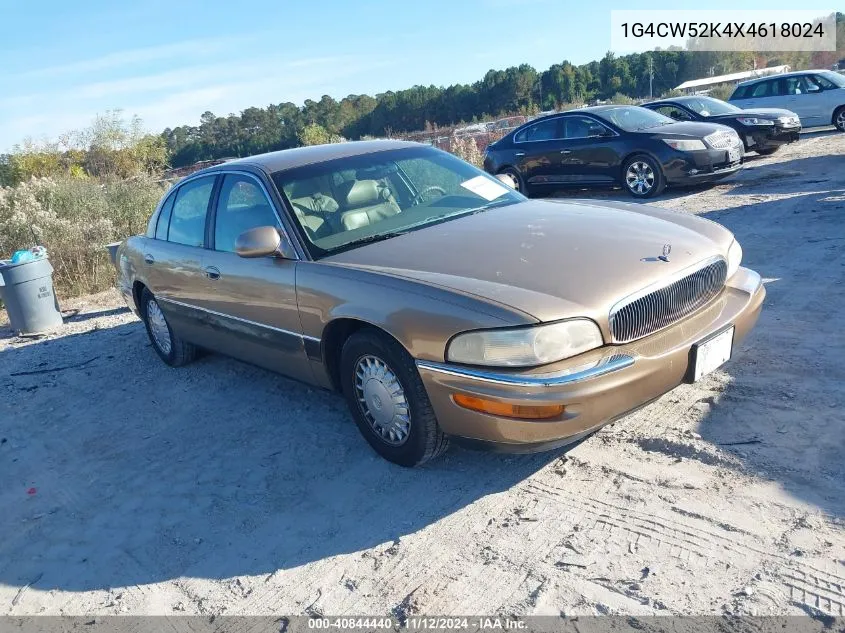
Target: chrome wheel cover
158	327
382	400
640	177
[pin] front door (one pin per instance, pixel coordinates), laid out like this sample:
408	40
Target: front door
590	152
251	306
805	97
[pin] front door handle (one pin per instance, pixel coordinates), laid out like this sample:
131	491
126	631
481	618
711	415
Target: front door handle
520	154
212	272
566	151
149	259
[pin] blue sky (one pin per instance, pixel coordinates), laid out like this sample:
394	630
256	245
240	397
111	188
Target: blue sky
169	61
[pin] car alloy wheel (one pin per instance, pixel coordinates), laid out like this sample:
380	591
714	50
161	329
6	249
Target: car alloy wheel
640	177
382	400
158	327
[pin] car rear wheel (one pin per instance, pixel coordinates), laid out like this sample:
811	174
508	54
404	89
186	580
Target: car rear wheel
517	177
388	400
839	118
768	151
170	347
642	177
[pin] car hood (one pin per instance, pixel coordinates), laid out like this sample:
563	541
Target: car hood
765	113
549	260
684	129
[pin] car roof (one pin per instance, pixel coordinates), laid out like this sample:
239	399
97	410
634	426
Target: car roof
297	157
794	73
574	111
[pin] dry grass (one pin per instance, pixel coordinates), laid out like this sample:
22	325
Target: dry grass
74	218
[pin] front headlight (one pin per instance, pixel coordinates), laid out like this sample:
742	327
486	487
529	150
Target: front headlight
684	145
525	346
734	258
750	120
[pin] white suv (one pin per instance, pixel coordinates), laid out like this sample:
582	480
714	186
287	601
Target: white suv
816	96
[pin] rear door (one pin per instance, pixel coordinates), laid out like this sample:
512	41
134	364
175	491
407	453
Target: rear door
173	261
537	151
764	94
590	152
251	303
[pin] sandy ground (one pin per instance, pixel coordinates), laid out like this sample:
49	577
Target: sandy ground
129	487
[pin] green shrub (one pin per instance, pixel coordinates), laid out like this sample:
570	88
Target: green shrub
74	218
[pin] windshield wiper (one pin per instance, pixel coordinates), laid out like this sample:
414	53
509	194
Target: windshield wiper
378	237
484	207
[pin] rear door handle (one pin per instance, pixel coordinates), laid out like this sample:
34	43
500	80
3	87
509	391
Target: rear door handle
212	272
520	154
149	259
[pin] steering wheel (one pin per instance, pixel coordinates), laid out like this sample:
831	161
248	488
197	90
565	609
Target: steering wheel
420	194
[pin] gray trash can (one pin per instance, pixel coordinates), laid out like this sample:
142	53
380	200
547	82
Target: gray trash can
27	293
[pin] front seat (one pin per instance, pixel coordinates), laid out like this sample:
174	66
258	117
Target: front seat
314	210
367	202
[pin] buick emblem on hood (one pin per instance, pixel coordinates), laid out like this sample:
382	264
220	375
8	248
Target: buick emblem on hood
667	248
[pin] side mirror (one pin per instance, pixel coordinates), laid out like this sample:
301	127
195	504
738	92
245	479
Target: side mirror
507	179
261	242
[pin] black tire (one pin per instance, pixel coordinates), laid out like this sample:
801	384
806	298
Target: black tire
657	185
424	440
839	118
768	151
521	186
181	352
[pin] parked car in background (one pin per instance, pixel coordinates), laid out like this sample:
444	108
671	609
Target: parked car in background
614	145
440	302
763	130
816	96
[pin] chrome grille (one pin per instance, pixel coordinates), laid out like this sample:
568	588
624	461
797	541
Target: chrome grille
644	314
722	140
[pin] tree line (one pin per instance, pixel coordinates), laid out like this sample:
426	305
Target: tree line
112	147
515	90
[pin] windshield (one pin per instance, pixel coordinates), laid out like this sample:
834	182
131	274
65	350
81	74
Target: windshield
835	78
708	106
343	203
634	118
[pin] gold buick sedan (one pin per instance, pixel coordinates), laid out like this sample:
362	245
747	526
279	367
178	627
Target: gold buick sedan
440	302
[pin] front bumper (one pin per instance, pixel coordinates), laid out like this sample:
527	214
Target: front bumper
776	136
596	387
686	168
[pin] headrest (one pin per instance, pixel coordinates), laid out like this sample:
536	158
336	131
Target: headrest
363	193
318	203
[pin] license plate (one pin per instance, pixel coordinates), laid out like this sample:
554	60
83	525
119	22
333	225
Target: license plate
733	154
712	353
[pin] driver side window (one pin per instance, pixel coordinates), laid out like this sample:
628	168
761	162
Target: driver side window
242	206
674	113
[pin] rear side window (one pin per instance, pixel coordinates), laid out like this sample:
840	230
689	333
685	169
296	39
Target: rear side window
242	206
763	89
543	131
741	92
187	220
164	217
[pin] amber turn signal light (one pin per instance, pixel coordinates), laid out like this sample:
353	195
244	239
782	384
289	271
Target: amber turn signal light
526	412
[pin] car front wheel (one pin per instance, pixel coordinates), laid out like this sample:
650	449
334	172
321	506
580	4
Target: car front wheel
170	347
388	400
643	177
